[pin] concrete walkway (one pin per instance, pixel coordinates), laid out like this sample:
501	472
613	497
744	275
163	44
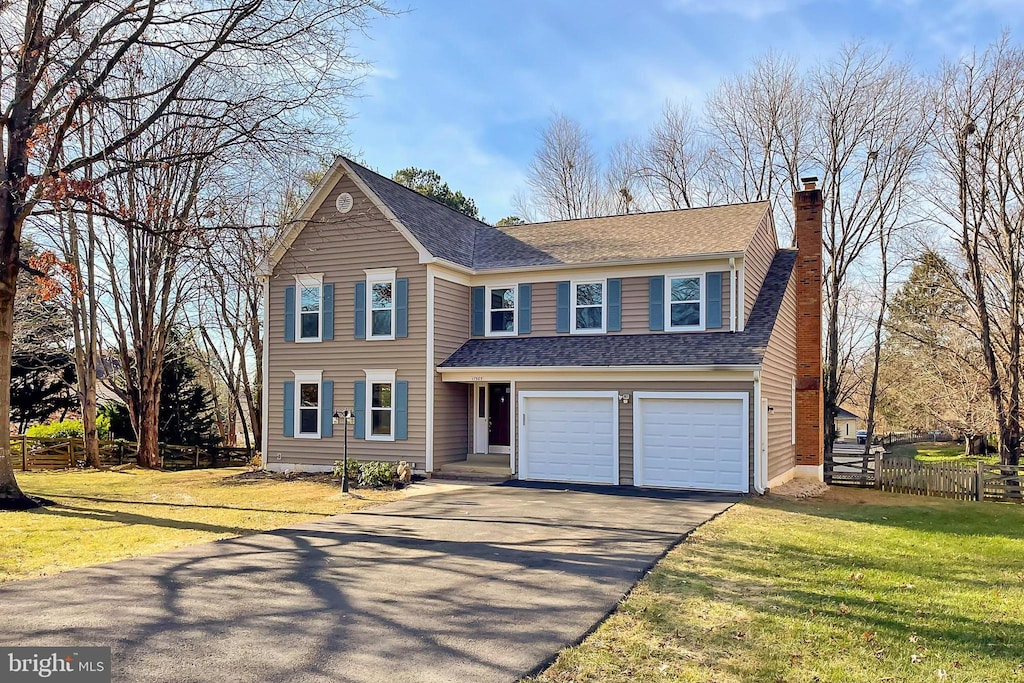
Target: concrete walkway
476	584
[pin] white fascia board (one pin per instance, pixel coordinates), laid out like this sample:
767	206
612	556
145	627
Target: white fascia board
627	373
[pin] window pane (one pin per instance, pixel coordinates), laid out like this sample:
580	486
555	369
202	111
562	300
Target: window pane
685	314
503	298
380	421
503	321
381	295
309	395
307	420
588	318
381	324
310	298
589	294
686	289
310	325
381	396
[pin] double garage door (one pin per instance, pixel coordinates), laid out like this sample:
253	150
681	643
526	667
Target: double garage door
691	440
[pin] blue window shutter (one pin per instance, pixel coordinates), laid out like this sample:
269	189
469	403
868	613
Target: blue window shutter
713	297
479	293
402	307
289	408
401	410
328	307
360	321
359	403
657	303
525	311
289	314
562	307
614	305
326	409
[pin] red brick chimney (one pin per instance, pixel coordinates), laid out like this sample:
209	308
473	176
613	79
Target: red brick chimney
810	443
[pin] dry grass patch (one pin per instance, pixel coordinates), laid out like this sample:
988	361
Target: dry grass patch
855	586
105	516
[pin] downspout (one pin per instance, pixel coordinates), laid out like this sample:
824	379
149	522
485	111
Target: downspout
759	466
732	294
265	389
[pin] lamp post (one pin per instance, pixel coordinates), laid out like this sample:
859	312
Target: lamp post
345	415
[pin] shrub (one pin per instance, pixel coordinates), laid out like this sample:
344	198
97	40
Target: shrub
377	475
69	429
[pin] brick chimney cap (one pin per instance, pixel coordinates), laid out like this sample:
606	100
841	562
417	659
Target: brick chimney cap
809	181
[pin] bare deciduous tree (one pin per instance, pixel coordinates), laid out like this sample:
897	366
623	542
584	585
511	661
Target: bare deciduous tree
565	177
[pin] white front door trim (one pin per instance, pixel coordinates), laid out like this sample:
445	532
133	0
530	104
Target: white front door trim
522	427
640	396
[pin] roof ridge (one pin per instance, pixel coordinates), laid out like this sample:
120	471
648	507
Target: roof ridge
409	189
627	215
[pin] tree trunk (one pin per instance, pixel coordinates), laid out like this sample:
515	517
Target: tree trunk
149	432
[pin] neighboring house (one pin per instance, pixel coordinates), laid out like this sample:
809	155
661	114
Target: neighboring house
674	349
846	425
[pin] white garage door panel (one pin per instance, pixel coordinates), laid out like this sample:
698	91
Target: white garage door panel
571	439
698	443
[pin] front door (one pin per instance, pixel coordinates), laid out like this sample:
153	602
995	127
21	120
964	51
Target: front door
499	413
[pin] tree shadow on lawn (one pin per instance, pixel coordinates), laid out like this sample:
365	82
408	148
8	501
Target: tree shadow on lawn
129	501
132	519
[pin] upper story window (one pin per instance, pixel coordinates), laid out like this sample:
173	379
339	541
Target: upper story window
307	404
309	290
588	306
684	299
380	308
501	310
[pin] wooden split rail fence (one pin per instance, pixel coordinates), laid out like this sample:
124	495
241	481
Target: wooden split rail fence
42	453
900	474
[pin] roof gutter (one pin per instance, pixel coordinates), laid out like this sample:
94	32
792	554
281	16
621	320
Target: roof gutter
587	264
613	368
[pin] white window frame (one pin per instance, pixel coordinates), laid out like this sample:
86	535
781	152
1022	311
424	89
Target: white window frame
604	306
309	280
378	276
308	377
701	300
488	332
378	377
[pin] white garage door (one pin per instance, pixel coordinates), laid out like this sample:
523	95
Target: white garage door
570	437
691	441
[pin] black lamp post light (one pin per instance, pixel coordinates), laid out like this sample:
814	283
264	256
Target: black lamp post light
348	416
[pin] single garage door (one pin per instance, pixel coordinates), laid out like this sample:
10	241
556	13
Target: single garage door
691	441
569	436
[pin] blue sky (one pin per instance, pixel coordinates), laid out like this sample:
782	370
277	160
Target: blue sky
465	87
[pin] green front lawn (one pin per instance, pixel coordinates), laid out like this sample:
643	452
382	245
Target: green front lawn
104	516
856	586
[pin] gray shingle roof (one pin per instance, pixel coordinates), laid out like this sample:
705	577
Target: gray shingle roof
703	348
452	236
844	414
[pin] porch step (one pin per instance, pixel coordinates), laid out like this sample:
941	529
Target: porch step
474	470
499	459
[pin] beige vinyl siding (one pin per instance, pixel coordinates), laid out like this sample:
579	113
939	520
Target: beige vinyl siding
626	409
451	399
778	370
341	247
635	307
756	262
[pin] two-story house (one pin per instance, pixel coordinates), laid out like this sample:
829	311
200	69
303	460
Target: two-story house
676	349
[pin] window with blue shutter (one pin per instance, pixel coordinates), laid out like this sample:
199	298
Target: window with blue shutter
562	307
289	313
289	409
402	307
656	308
359	403
614	305
328	304
327	409
713	314
479	300
360	308
525	309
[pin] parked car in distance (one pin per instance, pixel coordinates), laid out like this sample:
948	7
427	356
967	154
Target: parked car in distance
862	436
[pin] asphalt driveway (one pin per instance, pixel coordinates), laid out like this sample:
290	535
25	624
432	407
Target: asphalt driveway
478	584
